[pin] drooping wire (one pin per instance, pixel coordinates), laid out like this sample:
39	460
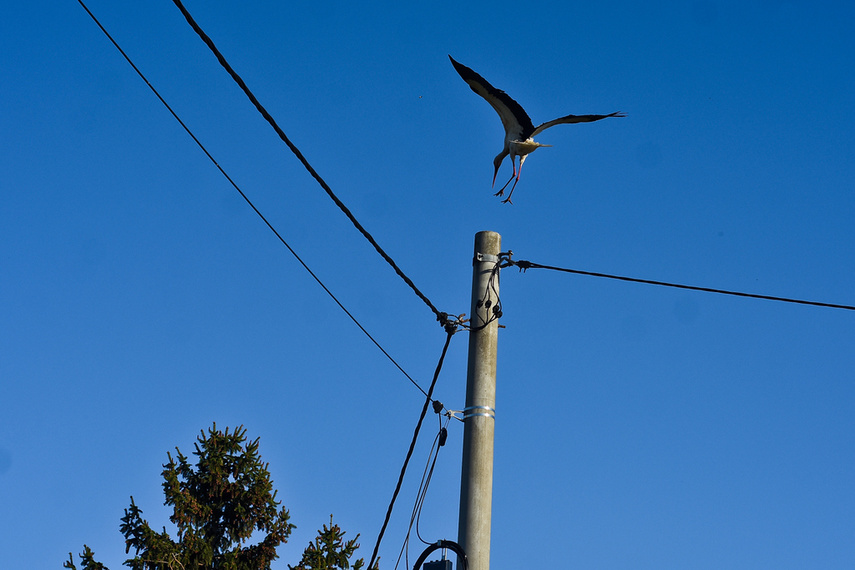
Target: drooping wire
428	400
525	265
427	475
246	198
440	316
439	442
490	301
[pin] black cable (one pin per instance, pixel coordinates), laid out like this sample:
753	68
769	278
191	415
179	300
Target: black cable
439	442
492	308
410	451
524	265
246	198
461	555
415	517
440	316
405	546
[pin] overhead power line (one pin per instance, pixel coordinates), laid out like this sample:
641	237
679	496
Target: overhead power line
247	200
440	316
524	265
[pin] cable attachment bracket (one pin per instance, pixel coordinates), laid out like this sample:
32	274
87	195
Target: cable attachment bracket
454	414
505	259
451	323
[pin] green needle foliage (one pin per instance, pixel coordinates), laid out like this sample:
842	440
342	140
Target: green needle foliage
225	512
329	551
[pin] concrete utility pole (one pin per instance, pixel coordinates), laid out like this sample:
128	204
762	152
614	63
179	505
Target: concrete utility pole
476	485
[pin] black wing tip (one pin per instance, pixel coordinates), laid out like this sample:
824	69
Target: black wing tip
470	76
461	69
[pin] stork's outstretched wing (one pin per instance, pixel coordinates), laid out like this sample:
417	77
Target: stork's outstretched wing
517	123
573	119
519	130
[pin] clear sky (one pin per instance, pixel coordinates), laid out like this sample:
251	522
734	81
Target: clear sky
637	426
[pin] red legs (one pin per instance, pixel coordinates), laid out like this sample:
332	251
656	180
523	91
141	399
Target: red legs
511	193
515	177
502	191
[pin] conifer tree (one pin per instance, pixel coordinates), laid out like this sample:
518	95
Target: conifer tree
225	513
329	551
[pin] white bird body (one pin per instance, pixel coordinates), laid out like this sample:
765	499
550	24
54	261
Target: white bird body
519	130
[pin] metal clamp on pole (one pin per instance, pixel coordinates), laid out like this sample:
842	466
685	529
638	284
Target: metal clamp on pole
485	258
475	411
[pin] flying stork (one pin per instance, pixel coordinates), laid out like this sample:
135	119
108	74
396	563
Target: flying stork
519	130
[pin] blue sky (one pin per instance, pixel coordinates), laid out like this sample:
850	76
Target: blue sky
637	426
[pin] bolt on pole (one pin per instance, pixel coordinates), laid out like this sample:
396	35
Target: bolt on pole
476	484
